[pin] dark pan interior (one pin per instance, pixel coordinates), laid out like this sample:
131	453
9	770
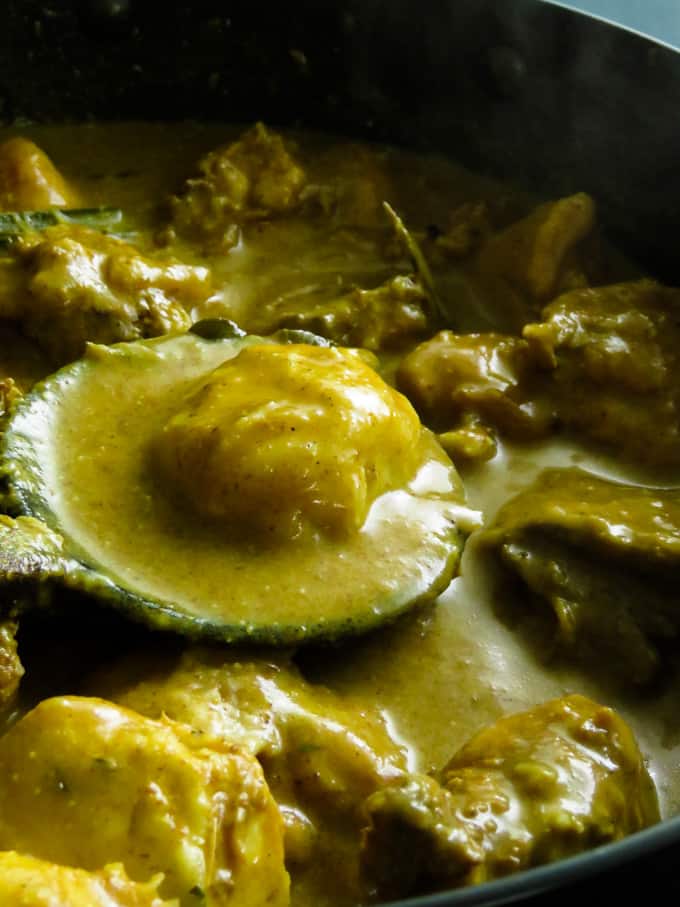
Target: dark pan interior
521	89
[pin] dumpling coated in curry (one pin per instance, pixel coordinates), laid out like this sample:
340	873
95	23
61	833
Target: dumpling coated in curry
368	513
284	436
118	787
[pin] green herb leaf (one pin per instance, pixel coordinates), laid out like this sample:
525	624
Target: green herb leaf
13	224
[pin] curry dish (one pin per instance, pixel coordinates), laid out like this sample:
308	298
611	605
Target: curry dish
340	524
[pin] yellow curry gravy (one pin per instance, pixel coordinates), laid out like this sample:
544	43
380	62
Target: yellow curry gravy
440	675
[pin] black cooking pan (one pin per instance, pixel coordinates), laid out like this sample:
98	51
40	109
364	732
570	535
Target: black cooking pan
548	98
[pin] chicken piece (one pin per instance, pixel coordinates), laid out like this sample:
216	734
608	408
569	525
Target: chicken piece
464	381
504	272
314	744
605	559
254	178
322	754
604	362
69	285
28	882
545	253
29	181
383	318
533	788
613	355
84	783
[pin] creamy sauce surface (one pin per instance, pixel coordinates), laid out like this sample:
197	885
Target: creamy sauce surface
105	492
441	674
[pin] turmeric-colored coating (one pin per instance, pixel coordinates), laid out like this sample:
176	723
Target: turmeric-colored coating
387	317
29	181
118	787
612	367
283	437
532	788
213	766
70	284
252	178
604	557
28	882
322	753
452	376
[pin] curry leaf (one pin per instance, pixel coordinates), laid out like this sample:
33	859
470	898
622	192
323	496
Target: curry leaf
13	224
437	309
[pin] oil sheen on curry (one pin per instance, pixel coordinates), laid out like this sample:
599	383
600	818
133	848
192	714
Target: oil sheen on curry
339	527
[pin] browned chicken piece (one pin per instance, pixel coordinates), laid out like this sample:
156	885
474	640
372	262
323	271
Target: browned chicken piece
604	363
386	317
121	788
543	254
254	178
29	181
534	787
467	386
613	360
455	374
28	882
505	272
71	284
598	560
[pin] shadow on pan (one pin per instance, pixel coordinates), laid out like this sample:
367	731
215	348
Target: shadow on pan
520	89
